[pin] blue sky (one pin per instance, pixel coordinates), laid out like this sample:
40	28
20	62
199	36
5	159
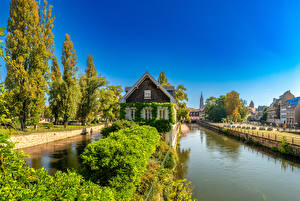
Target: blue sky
213	46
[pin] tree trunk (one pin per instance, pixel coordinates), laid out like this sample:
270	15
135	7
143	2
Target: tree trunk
65	124
22	124
35	127
55	119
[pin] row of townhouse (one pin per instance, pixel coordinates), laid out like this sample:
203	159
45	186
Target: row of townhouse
284	110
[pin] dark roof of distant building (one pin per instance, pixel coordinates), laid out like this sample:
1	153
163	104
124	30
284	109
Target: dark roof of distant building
196	110
169	88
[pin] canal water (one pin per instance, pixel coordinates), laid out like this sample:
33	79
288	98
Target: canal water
223	169
220	168
59	155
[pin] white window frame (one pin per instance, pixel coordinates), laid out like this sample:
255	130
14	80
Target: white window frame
132	113
147	94
148	114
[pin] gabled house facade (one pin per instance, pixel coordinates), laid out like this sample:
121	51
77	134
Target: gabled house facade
147	100
277	113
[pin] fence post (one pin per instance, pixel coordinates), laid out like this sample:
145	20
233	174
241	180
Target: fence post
275	137
292	140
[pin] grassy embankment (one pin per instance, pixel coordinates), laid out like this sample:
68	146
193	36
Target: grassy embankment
43	129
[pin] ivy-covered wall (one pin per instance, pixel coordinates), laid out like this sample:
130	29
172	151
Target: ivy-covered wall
153	105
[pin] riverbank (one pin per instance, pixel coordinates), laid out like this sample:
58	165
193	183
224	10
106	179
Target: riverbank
33	139
273	144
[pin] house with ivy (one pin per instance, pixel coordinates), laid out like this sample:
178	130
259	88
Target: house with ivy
148	101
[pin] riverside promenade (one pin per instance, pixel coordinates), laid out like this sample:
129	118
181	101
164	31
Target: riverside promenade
267	138
263	132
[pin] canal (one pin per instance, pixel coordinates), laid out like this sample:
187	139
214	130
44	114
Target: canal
59	155
220	168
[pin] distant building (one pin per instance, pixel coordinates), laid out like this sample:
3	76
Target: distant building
251	105
259	112
276	113
251	111
290	112
198	114
201	102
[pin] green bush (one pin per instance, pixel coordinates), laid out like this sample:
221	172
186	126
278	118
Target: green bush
170	162
116	126
286	147
120	160
46	125
20	182
162	126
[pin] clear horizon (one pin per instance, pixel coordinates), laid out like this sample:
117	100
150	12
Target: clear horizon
214	47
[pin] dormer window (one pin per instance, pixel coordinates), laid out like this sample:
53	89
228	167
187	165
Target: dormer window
147	94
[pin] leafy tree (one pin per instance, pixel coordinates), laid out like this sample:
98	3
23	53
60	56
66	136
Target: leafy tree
71	94
29	46
183	113
181	95
265	115
1	45
89	83
232	104
243	110
47	113
56	91
215	109
108	99
162	79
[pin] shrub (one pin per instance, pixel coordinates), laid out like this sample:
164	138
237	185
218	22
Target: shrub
46	125
119	160
20	182
170	161
285	147
117	125
162	126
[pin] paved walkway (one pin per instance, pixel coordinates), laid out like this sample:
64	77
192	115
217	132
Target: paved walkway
273	135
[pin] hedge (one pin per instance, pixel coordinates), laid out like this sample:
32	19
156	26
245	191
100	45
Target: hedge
116	126
120	160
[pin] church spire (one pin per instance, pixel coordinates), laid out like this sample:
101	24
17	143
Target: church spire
201	101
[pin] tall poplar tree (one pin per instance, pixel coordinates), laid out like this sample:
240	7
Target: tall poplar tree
89	83
162	79
71	94
29	46
55	98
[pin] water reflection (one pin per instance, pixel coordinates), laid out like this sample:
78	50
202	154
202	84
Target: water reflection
184	156
59	155
222	168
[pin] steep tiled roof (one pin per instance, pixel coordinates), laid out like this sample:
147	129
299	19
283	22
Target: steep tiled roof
164	90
